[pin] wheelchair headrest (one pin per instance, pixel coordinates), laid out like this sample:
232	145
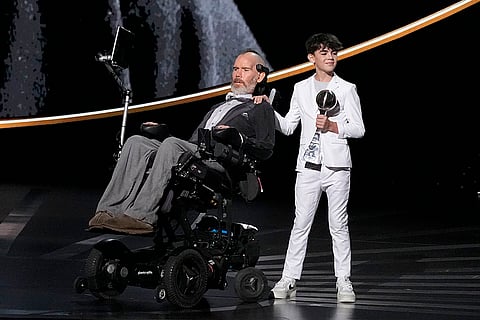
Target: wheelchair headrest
262	88
261	68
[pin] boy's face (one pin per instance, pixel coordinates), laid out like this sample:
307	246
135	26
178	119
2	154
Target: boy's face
324	59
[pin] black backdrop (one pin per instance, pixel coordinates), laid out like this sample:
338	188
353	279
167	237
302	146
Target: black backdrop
418	94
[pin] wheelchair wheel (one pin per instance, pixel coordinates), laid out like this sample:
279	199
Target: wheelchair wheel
185	278
106	276
160	293
80	284
250	284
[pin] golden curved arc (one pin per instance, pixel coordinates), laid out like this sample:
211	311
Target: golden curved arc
274	76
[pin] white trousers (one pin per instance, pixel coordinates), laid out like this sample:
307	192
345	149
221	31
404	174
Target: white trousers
309	186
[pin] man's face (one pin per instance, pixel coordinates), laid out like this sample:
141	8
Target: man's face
244	74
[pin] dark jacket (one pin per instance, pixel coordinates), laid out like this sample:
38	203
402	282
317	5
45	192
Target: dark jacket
256	122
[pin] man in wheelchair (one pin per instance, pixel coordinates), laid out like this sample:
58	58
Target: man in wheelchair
236	130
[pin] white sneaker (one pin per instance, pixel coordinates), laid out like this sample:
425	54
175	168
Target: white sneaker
285	288
345	292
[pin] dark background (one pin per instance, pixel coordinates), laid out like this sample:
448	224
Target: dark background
419	96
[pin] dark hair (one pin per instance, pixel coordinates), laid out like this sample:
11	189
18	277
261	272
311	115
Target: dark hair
321	41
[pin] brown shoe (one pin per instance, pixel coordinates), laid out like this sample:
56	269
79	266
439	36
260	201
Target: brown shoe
119	223
127	224
99	219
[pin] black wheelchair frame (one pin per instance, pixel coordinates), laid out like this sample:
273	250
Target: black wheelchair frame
188	256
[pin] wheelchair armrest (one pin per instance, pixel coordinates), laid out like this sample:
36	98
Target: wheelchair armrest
229	136
158	131
225	146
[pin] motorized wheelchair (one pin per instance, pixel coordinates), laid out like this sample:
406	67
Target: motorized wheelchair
196	242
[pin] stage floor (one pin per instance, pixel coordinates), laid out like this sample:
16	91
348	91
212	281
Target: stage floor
406	265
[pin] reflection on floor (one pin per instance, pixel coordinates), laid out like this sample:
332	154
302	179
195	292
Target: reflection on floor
405	265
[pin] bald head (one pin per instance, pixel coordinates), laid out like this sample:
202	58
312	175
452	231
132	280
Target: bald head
253	55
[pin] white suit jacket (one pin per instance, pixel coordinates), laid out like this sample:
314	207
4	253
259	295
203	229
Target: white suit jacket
304	109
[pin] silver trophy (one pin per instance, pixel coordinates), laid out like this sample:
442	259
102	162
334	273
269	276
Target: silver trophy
326	101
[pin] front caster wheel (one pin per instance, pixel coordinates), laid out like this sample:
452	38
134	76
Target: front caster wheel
250	284
160	294
80	284
106	275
